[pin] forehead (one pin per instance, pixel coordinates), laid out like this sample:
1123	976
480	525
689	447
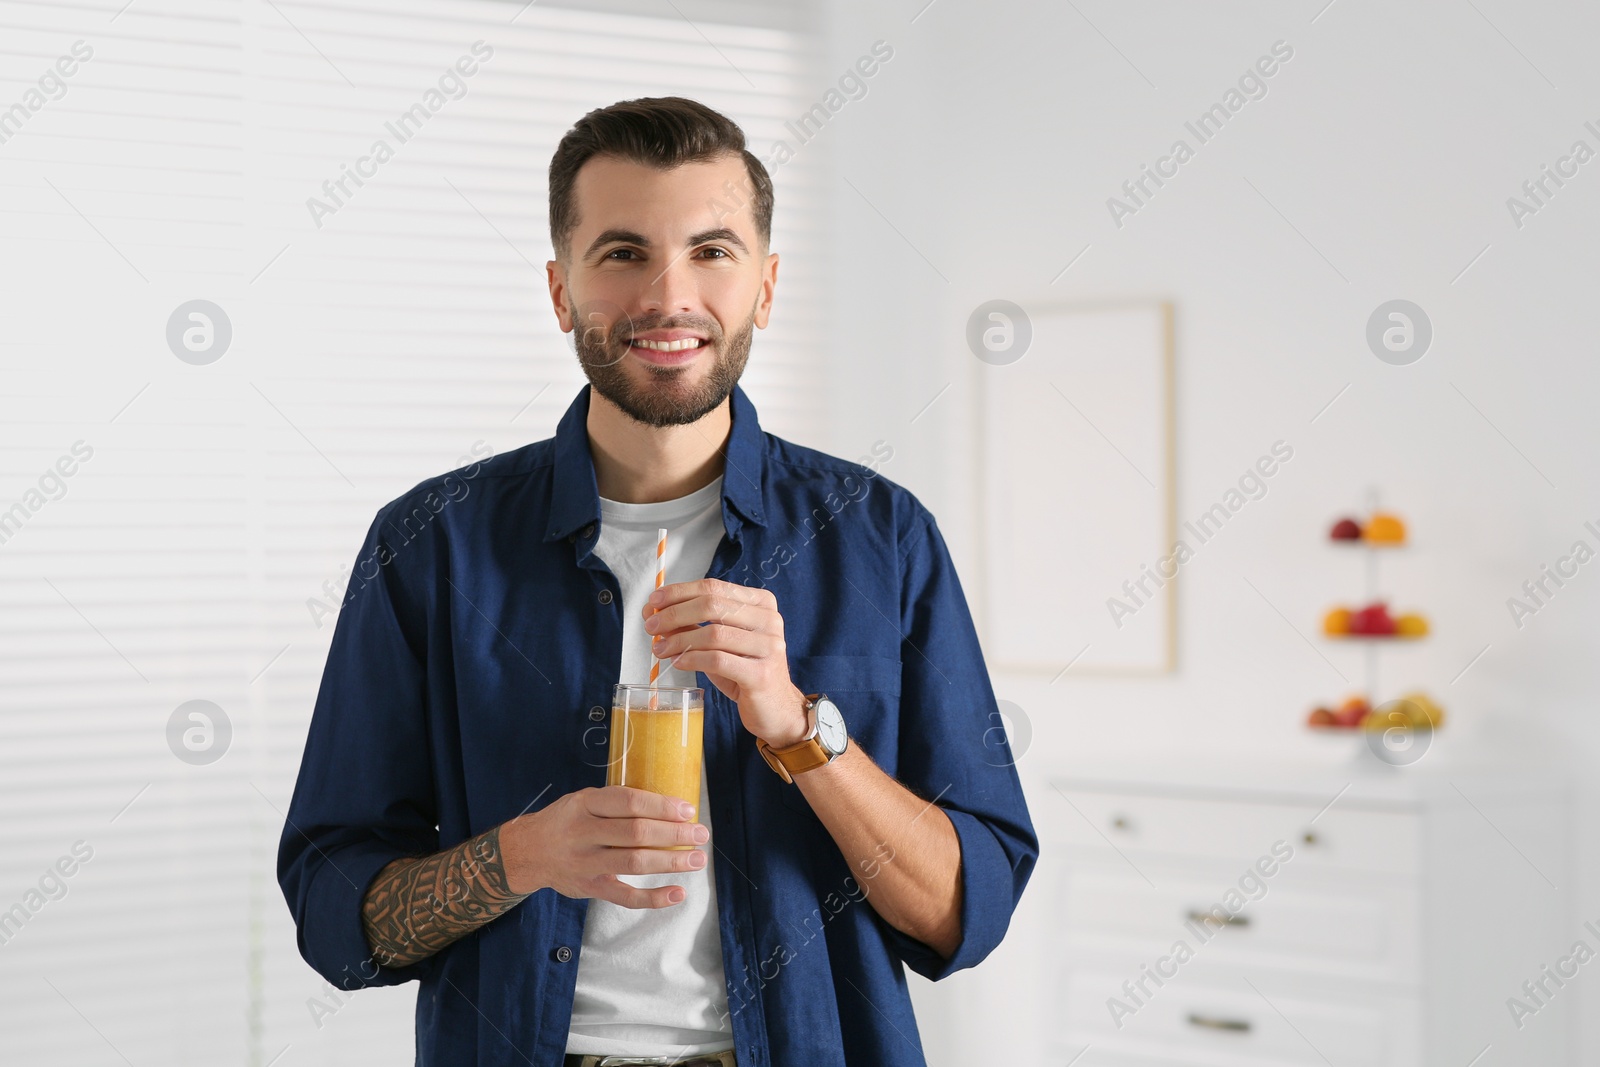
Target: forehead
664	203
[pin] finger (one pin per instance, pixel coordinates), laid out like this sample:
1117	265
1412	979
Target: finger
649	861
626	802
752	609
733	597
743	671
674	593
646	833
620	892
718	635
679	615
715	608
679	591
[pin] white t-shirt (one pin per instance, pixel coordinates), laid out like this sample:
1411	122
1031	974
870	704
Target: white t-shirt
650	980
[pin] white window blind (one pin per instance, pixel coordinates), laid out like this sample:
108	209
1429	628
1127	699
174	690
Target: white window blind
210	504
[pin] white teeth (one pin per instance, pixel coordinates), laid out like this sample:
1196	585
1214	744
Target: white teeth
668	346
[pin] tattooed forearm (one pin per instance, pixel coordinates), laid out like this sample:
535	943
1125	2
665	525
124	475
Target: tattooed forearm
419	904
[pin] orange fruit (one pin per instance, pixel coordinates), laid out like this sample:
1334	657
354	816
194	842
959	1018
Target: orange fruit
1336	622
1385	528
1411	625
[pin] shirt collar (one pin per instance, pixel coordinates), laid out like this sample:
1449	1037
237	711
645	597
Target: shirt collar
576	494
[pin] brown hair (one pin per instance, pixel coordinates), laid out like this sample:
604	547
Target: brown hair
659	131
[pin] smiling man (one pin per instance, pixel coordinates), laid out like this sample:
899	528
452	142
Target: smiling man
859	812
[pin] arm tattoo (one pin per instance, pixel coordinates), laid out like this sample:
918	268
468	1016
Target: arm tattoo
419	904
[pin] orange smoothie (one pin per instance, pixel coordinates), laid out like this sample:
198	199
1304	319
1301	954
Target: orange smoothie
657	751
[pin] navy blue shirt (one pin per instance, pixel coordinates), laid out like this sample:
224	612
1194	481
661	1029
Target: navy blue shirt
469	680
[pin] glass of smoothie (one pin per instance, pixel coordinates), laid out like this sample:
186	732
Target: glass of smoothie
656	735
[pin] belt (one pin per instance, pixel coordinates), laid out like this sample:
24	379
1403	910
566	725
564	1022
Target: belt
710	1059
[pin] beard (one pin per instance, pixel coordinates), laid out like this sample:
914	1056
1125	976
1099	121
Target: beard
667	397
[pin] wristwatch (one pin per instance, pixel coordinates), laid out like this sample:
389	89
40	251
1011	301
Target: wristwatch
825	742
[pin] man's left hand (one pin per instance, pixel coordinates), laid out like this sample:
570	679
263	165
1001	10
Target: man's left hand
733	635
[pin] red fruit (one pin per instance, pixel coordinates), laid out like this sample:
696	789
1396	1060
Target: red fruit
1350	714
1322	717
1346	530
1372	621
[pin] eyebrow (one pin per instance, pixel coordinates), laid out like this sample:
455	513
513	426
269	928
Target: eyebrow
617	235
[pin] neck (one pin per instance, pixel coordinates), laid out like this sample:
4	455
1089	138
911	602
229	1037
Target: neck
639	464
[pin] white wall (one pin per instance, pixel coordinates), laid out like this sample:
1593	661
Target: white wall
1377	166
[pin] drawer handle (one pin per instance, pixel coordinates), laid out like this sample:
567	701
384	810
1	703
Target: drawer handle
1196	915
1212	1022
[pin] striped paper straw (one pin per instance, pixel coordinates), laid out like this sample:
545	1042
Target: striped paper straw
661	578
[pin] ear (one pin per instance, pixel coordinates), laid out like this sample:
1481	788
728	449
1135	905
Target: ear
769	282
556	275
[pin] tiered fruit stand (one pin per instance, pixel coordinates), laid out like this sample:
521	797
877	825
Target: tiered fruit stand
1373	625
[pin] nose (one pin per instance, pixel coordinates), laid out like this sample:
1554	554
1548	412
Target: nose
671	291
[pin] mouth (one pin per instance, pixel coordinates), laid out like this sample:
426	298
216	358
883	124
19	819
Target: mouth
668	353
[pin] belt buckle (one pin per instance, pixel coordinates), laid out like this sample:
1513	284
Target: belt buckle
658	1061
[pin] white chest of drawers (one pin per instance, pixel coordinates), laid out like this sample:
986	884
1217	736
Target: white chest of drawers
1373	919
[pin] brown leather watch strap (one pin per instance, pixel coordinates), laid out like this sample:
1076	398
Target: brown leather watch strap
796	758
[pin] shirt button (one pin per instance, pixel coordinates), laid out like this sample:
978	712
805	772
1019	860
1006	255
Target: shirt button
563	954
596	713
605	596
589	529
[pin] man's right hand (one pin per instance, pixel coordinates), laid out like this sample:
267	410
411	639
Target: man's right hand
577	845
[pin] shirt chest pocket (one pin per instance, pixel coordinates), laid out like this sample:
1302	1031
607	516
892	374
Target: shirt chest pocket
866	689
840	676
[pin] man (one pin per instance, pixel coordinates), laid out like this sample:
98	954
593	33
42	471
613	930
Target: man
859	811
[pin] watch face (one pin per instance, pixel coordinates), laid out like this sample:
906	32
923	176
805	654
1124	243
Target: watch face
830	726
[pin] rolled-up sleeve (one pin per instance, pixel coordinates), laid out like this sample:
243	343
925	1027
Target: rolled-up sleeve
365	795
952	747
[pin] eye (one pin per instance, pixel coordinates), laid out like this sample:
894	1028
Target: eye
721	252
616	251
